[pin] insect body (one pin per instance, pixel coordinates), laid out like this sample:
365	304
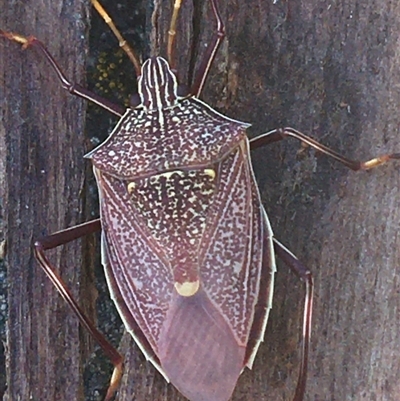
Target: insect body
187	248
182	257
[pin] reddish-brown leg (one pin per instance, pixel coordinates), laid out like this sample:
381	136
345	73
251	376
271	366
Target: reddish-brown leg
305	275
73	88
62	238
300	270
209	56
282	133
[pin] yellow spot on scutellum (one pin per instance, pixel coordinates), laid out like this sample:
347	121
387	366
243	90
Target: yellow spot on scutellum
187	289
131	187
210	172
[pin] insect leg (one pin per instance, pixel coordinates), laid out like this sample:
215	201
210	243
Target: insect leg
209	56
62	238
304	274
122	42
71	87
282	133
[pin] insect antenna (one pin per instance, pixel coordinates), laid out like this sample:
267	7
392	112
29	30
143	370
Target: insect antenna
171	46
122	42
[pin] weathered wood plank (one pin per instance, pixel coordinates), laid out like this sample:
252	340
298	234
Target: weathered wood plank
330	70
43	134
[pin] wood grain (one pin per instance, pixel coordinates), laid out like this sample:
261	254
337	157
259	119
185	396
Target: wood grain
329	69
44	171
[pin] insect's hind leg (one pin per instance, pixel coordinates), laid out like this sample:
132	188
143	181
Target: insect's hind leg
306	276
61	238
73	88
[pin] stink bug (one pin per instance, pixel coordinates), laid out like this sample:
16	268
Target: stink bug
190	288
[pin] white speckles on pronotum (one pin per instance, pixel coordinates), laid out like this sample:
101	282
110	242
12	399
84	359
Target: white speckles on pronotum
188	135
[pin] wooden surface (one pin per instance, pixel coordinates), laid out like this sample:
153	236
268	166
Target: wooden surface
328	69
42	129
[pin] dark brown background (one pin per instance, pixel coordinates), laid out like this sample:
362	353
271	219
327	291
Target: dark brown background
330	69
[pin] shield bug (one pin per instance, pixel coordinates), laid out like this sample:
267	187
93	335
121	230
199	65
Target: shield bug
182	204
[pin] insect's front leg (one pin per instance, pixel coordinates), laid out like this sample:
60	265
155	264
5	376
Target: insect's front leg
73	88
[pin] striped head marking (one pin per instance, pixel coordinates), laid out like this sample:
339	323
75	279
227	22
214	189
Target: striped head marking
157	85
